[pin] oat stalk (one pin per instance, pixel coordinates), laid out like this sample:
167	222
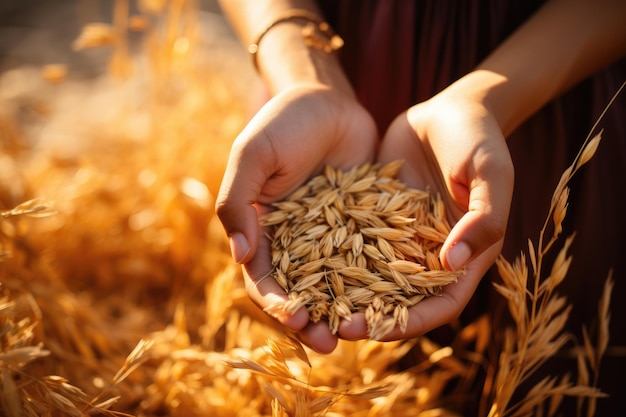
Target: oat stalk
539	328
135	359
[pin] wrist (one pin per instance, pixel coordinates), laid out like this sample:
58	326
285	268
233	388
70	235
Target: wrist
289	54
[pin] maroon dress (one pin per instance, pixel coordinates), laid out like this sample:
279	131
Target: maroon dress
400	52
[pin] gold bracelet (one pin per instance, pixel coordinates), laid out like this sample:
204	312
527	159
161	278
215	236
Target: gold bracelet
316	33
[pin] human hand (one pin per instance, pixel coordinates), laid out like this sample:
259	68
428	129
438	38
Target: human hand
452	145
290	139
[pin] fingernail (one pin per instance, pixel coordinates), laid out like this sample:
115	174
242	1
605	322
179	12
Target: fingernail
458	255
239	247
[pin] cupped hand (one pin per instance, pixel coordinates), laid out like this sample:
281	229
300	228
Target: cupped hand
292	137
451	145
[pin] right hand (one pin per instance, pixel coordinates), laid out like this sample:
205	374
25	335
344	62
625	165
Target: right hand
292	138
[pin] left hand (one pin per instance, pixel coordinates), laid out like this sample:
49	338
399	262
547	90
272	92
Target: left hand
451	145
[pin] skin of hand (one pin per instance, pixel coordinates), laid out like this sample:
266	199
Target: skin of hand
290	139
452	146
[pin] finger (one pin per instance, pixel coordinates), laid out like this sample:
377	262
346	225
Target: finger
354	329
484	223
265	292
240	189
318	337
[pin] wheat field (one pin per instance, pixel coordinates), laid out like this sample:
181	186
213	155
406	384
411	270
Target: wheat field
118	295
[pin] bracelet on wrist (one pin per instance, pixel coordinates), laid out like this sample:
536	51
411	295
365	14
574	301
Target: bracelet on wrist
316	32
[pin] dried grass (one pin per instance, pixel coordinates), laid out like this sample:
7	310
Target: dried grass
25	391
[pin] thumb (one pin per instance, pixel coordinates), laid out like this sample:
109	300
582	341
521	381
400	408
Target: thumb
484	223
235	207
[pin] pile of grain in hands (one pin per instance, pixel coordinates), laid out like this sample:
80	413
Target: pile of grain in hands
358	241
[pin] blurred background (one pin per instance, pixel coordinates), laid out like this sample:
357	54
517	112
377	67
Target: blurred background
41	32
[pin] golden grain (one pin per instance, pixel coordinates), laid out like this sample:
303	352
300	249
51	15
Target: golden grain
347	236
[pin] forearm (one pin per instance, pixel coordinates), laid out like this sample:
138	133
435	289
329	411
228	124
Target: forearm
283	57
563	43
